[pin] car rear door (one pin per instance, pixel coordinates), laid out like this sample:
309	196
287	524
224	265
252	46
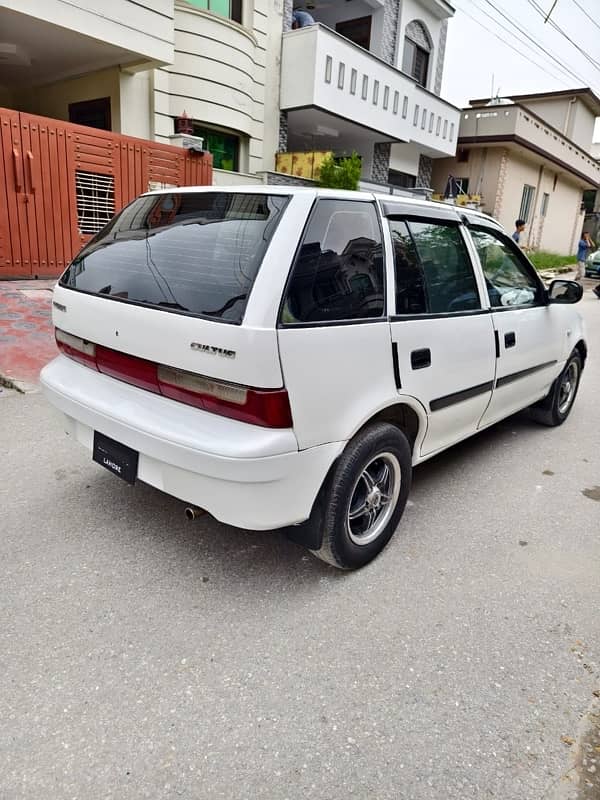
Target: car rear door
442	334
334	341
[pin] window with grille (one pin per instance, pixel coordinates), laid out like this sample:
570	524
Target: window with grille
95	200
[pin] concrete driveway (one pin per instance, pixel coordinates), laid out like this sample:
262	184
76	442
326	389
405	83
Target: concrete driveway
144	656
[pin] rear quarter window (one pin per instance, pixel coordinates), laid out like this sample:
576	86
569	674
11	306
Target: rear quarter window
189	252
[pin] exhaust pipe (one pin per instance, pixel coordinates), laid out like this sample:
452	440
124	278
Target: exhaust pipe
193	512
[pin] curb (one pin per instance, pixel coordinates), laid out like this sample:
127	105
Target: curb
22	387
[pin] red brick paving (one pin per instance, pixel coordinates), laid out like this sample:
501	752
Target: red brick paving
26	333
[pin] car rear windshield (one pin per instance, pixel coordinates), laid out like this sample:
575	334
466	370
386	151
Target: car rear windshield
196	252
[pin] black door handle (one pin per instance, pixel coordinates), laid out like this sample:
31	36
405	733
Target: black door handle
510	339
419	359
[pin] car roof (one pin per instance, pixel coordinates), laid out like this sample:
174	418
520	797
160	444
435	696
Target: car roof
393	203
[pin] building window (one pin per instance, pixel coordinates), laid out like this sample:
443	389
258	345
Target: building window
526	202
417	49
232	9
544	206
463	185
353	76
328	68
93	113
224	147
402	179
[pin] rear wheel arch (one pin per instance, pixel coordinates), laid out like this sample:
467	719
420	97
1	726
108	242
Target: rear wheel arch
404	417
581	348
401	415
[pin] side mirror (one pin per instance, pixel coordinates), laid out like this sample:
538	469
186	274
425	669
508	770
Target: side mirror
561	291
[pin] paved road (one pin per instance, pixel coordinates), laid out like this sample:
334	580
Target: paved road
143	656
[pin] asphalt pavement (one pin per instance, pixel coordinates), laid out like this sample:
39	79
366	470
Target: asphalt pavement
145	656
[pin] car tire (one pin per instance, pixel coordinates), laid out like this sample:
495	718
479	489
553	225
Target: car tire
363	498
554	409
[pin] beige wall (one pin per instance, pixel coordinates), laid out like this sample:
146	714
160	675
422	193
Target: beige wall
482	169
135	101
500	174
573	120
218	77
53	100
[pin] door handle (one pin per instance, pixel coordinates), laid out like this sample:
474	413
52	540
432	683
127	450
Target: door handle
17	167
29	157
510	339
420	359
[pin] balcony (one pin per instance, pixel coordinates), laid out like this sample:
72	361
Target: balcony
337	94
517	127
56	39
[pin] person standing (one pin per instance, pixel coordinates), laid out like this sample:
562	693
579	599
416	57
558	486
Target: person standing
584	247
519	228
301	19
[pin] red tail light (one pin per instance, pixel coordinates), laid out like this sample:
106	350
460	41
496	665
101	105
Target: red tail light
269	408
127	368
76	348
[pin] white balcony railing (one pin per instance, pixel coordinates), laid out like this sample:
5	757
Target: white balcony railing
321	69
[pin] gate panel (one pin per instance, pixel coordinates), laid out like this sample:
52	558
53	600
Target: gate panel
60	183
11	183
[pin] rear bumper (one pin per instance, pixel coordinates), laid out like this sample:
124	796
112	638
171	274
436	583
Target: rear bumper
243	475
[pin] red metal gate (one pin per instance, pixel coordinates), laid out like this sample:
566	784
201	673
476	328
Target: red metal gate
60	183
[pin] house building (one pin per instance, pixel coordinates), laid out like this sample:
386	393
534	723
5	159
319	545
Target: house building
529	157
366	77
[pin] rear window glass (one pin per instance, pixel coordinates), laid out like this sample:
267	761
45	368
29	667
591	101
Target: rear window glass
196	253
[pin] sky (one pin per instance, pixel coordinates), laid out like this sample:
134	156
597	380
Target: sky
476	58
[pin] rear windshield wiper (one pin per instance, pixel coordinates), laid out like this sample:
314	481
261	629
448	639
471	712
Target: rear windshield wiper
220	311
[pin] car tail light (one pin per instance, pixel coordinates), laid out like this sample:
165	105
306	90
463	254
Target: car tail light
130	369
269	408
76	348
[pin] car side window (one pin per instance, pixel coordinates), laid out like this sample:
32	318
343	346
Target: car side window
434	274
508	280
338	273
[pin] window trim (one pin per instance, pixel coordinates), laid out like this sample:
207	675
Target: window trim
201	129
521	258
475	267
527	202
417	49
235	10
281	325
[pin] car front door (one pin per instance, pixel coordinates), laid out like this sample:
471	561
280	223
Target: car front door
442	333
529	333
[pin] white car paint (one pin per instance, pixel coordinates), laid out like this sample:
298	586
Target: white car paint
338	377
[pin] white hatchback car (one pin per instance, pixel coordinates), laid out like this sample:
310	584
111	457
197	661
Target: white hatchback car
283	357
